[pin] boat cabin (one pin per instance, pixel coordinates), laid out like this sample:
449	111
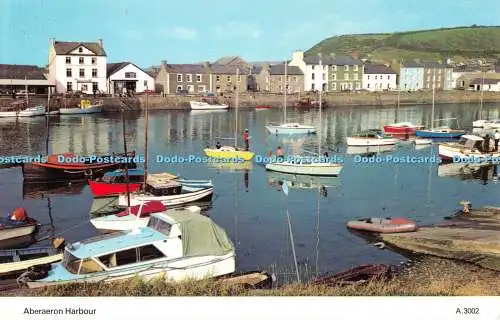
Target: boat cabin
471	142
162	184
373	134
118	176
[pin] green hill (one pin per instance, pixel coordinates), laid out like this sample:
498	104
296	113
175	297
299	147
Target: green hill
457	43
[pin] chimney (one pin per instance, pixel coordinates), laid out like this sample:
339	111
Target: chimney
298	55
100	42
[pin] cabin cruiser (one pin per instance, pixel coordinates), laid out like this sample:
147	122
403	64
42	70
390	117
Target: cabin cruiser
470	148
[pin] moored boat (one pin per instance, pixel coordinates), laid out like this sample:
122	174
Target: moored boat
69	166
32	112
469	148
402	128
228	152
357	275
114	183
422	141
175	245
135	216
306	166
440	132
169	192
383	225
371	138
203	105
17	225
85	107
290	128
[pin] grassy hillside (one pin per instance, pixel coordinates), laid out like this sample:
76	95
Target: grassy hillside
457	43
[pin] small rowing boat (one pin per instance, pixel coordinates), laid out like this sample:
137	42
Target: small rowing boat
248	280
17	225
383	225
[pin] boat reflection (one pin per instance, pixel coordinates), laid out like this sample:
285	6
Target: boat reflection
231	166
39	191
469	171
369	149
276	180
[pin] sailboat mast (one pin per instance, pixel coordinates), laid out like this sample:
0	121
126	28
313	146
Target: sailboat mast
146	125
127	178
320	105
236	106
399	89
433	96
482	95
26	90
285	91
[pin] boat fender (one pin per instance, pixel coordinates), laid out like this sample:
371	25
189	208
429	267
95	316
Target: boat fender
88	172
379	245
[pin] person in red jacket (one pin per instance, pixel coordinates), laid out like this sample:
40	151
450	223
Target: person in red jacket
246	138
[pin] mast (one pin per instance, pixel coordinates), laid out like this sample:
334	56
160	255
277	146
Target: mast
399	90
320	105
26	90
236	107
146	125
482	94
127	178
285	91
433	96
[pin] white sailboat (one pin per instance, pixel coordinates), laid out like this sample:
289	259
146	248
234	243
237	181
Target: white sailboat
318	165
33	111
291	127
85	107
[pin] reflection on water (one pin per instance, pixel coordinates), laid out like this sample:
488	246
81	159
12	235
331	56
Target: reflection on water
253	214
466	171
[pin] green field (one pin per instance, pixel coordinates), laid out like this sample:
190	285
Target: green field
439	44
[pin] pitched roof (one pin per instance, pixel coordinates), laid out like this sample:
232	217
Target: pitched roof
229	60
378	69
412	64
280	70
64	48
262	63
346	61
485	81
467	68
314	60
435	64
187	68
112	68
20	72
227	69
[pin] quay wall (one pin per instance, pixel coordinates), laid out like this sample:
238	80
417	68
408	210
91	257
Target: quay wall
389	99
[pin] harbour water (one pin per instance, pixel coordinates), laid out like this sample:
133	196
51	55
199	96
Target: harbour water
249	203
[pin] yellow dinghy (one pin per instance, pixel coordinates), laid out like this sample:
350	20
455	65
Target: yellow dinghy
227	152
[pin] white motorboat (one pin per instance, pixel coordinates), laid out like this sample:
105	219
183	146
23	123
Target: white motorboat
306	166
468	149
136	216
175	246
492	124
17	225
169	192
371	138
32	112
422	141
8	114
202	105
85	107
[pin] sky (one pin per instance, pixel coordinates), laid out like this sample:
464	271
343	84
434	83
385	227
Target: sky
190	31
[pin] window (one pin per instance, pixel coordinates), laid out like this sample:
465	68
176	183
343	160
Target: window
80	60
94	61
190	88
346	68
334	68
368	77
201	88
198	77
129	75
68	73
69	86
179	77
70	262
90	266
312	76
239	78
355	68
368	86
217	78
312	67
324	76
346	76
376	77
355	76
160	225
95	87
334	77
94	73
294	79
189	78
228	78
80	49
313	87
179	88
85	87
82	73
145	84
68	60
334	86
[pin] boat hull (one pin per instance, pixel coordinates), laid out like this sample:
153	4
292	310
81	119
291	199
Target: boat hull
18	232
170	200
283	129
19	266
236	155
401	129
103	189
8	114
32	112
379	225
89	110
196	105
367	142
438	134
313	169
172	271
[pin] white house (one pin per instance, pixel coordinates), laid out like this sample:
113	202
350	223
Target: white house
315	75
127	77
77	66
379	77
486	84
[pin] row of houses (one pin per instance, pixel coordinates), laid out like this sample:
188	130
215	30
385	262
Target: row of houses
83	67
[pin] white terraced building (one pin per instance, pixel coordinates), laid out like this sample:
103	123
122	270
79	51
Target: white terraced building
379	77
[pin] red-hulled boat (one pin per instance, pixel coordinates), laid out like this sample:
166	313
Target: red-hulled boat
114	183
69	166
402	128
262	107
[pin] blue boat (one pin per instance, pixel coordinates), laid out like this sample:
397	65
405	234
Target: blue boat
175	245
441	132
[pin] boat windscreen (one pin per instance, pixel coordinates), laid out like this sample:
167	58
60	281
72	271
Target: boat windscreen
70	262
160	225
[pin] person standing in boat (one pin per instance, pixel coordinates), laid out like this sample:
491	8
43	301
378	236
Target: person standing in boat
218	145
280	154
246	137
486	143
497	138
